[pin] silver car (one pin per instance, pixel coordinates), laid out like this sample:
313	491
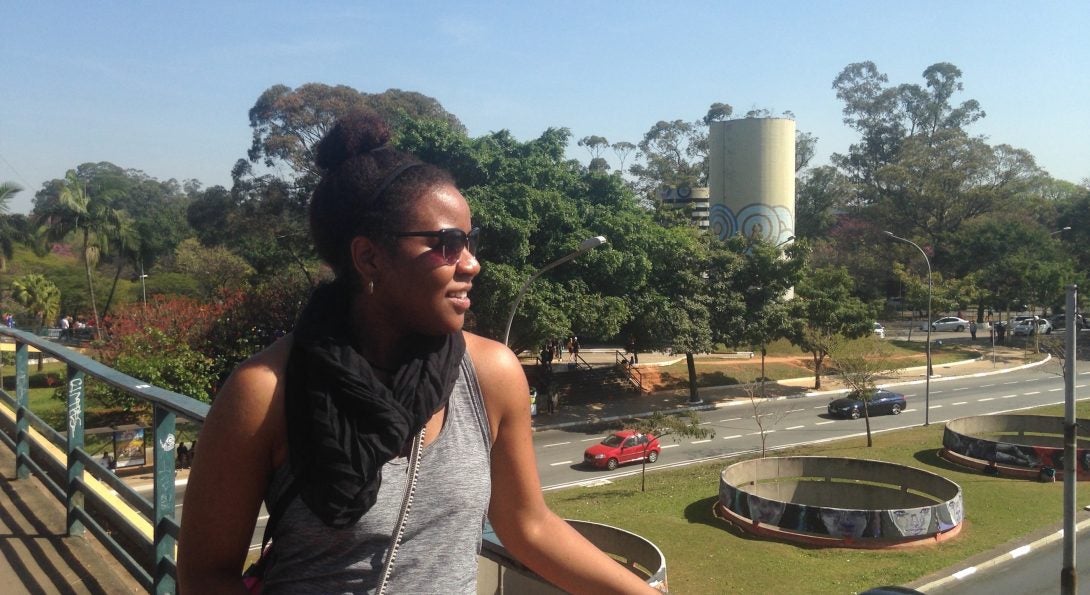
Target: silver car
950	323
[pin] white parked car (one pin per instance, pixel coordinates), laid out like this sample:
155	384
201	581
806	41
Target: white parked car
1031	326
879	330
950	323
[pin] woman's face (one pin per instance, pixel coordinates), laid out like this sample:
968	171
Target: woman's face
427	294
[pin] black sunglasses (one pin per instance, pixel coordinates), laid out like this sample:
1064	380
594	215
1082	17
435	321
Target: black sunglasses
452	241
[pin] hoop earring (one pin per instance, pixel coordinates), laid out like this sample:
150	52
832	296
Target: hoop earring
370	288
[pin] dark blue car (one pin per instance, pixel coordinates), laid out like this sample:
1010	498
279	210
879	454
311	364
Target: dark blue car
881	401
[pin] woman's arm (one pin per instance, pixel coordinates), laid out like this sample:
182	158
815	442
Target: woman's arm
240	441
525	525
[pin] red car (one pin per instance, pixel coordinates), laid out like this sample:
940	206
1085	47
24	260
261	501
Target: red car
626	446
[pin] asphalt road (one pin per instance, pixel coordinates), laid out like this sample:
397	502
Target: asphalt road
803	420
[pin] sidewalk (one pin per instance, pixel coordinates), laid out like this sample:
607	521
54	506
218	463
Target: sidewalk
615	406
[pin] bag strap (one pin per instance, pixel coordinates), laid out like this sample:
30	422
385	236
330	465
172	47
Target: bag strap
406	504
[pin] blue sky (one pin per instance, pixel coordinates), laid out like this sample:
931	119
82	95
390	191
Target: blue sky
165	87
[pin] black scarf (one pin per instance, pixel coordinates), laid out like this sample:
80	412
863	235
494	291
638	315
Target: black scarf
343	424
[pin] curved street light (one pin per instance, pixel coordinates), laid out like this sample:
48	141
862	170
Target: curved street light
930	370
1061	230
585	246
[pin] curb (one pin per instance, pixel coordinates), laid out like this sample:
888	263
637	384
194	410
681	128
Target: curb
729	402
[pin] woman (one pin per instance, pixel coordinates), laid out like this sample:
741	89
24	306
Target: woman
321	421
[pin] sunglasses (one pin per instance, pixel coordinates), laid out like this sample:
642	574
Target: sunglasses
451	240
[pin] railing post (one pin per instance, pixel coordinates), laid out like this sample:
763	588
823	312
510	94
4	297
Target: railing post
163	460
22	423
74	497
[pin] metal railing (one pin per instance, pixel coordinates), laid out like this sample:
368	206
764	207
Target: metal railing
95	498
635	376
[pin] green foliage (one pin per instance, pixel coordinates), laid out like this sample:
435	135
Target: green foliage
166	362
660	425
824	312
39	296
216	269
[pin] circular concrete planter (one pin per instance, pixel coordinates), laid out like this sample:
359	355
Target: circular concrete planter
1026	446
839	502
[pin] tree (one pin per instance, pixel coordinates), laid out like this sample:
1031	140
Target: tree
824	312
819	197
622	150
885	116
860	363
216	269
752	298
38	295
673	154
8	232
91	216
287	123
764	415
594	145
660	425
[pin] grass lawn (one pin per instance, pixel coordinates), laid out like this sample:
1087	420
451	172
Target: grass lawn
706	555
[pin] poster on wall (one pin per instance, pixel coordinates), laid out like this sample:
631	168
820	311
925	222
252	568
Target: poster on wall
129	448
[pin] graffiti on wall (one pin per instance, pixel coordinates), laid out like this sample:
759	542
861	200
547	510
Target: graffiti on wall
1014	455
756	221
841	522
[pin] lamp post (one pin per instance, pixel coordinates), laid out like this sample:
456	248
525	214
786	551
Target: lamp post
585	246
930	370
1061	230
143	287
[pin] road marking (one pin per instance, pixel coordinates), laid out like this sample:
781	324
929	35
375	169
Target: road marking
1008	396
936	406
985	385
1080	386
557	444
964	573
795	410
560	463
1012	382
821	423
758	433
822	407
670	445
703	423
795	427
1036	392
734	436
700	441
592	439
908	411
730	419
958	403
1052	390
1020	551
985	399
957	389
935	392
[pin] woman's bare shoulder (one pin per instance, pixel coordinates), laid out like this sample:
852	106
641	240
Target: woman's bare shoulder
255	387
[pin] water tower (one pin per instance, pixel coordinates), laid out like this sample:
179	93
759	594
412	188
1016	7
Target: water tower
752	178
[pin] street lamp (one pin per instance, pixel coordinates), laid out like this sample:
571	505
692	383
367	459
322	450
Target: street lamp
789	239
143	288
585	246
1061	230
930	370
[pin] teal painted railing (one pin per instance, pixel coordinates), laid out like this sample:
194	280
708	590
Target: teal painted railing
89	490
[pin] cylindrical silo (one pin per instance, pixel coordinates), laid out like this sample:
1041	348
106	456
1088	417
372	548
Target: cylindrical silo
752	178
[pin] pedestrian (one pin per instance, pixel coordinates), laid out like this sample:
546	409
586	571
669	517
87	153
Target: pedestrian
972	330
325	425
571	348
66	327
575	348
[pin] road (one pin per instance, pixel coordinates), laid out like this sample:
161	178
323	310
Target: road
800	421
1034	572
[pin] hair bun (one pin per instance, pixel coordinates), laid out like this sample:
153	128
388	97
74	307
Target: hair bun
356	133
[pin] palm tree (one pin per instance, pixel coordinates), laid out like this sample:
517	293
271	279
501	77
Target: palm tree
91	217
8	233
38	295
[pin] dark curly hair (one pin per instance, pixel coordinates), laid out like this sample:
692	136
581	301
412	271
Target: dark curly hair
367	187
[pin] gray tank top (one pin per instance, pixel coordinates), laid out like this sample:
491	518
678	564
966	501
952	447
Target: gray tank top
438	553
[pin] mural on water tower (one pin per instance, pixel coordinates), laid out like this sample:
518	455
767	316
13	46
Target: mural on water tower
752	178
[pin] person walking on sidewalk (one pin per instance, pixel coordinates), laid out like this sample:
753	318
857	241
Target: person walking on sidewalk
972	330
